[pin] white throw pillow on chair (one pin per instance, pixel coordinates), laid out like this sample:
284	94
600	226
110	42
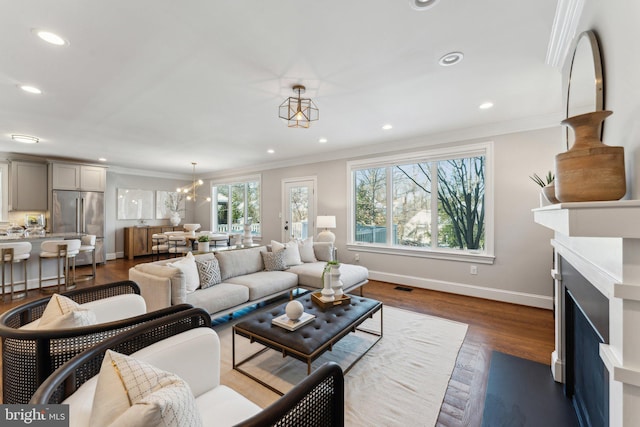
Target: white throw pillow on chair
131	392
62	312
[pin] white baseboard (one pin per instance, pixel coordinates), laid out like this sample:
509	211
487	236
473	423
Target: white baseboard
111	256
521	298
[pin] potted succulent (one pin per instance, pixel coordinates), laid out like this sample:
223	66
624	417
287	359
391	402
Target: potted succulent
203	243
547	185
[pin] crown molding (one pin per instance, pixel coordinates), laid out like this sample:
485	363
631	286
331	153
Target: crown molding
565	25
149	173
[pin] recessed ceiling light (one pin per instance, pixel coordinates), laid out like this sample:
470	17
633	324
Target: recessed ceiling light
25	139
322	140
50	37
271	151
102	159
451	58
422	4
31	89
485	105
387	127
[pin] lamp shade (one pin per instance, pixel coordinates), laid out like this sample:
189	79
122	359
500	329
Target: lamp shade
328	221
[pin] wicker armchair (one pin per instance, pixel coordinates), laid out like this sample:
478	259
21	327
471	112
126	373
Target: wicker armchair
317	401
29	356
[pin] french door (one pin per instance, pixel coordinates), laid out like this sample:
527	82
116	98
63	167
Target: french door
299	199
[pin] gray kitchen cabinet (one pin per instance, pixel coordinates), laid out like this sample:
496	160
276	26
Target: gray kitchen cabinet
66	176
28	186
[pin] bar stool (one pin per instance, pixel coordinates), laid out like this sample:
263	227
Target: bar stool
62	251
88	244
159	244
11	254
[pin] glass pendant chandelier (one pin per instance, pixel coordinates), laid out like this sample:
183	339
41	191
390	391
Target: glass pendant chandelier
297	111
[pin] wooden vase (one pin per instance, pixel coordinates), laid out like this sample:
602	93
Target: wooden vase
589	170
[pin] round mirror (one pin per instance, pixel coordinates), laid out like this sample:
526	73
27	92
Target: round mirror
585	90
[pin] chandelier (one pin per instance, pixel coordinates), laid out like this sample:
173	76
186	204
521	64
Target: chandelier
190	190
298	112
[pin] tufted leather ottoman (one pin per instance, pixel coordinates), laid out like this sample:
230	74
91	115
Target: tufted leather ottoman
310	341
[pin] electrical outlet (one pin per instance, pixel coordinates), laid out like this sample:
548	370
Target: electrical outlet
357	257
473	269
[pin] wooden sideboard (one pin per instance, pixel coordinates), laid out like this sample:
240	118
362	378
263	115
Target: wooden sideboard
137	240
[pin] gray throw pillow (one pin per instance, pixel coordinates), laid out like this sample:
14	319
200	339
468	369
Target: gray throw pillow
274	261
209	272
323	251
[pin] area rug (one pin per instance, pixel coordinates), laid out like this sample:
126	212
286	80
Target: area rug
402	380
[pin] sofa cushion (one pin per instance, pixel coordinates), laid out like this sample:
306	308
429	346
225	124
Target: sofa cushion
62	312
135	393
291	252
306	250
209	272
323	251
240	262
219	297
310	274
189	269
274	261
266	283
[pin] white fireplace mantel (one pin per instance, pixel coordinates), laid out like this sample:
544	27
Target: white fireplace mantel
602	241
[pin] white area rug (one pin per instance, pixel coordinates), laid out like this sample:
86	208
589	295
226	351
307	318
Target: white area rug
401	381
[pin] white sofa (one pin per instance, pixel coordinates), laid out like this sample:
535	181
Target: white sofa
244	281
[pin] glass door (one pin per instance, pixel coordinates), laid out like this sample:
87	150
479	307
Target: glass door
299	209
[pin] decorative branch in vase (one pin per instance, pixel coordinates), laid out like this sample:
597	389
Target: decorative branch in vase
174	203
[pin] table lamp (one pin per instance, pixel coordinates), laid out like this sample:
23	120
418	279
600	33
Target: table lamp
326	222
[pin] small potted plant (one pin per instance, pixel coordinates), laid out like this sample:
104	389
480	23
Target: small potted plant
547	185
203	243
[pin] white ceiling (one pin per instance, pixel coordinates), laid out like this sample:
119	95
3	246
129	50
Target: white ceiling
157	84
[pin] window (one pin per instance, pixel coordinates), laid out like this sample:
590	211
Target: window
433	204
237	203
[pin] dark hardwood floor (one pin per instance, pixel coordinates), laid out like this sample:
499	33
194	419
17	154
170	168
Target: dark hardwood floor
513	329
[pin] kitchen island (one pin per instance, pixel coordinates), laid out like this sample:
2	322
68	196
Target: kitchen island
49	269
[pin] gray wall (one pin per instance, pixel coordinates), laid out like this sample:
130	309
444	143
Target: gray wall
616	24
521	272
114	235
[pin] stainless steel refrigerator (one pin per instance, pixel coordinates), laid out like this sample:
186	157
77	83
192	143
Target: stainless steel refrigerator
80	212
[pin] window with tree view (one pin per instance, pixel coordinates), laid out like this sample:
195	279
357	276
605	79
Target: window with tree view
236	204
431	203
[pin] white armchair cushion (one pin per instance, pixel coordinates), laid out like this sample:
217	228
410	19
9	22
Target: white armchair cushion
188	267
131	392
62	312
117	307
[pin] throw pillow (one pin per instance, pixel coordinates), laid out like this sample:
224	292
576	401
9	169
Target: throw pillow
209	272
274	261
62	312
131	392
323	251
306	250
188	267
292	255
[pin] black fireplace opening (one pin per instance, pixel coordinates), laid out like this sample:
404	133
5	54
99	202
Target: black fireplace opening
586	318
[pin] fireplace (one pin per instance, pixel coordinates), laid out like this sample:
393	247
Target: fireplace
586	320
597	289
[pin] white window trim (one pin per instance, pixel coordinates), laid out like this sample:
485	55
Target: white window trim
467	150
231	181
